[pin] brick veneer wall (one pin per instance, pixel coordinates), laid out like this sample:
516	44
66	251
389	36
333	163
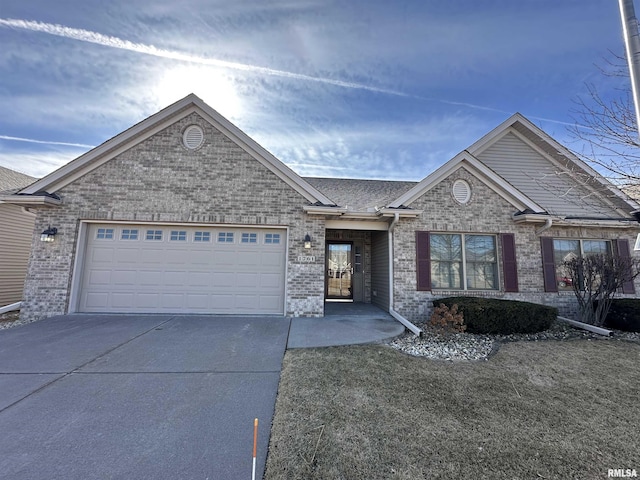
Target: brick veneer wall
159	180
487	212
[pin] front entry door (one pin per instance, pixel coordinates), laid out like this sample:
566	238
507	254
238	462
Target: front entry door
339	270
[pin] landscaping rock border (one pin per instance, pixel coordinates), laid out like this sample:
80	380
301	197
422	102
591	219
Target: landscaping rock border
10	319
468	346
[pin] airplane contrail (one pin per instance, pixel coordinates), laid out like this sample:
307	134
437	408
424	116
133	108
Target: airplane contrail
115	42
32	140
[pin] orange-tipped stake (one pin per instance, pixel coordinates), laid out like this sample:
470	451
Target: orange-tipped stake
255	447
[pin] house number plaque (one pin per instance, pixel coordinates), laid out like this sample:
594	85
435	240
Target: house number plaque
306	258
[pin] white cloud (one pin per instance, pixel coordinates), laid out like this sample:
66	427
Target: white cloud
36	163
115	42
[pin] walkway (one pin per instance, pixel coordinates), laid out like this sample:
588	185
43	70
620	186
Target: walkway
344	324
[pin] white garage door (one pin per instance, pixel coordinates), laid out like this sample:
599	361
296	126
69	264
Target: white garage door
176	269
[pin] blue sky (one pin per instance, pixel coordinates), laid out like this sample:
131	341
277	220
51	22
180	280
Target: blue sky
358	88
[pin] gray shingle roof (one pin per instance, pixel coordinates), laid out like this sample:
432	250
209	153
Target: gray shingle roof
12	181
360	195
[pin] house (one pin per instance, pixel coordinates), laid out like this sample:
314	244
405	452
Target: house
184	213
15	237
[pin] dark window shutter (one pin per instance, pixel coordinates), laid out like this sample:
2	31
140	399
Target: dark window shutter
509	265
548	265
625	253
423	261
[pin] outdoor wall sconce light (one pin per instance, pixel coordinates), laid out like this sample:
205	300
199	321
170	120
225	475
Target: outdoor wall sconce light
307	241
49	234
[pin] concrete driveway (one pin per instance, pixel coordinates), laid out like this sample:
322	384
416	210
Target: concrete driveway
138	396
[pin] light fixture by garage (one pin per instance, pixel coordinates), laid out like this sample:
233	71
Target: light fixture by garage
49	234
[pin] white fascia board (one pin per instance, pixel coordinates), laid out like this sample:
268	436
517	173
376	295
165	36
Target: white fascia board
477	168
402	212
31	200
324	210
596	223
565	222
531	218
356	225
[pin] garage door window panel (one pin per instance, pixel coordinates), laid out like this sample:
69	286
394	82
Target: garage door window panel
225	237
178	236
272	239
202	237
249	238
104	234
154	235
129	234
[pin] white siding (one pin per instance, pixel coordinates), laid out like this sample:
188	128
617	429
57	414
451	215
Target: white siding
546	184
15	245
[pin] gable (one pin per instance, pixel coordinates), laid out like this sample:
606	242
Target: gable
441	204
560	189
160	175
155	124
480	171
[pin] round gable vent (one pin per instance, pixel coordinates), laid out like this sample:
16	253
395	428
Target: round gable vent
193	137
461	191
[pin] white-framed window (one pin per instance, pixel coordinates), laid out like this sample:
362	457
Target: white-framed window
154	235
272	238
104	234
129	234
566	249
202	237
463	261
225	237
249	238
178	236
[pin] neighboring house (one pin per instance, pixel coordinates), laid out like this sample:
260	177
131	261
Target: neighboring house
16	234
183	212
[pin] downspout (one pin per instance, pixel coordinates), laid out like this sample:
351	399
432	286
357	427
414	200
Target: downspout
547	225
392	312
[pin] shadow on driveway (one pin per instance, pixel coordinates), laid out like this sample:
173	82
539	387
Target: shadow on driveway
138	396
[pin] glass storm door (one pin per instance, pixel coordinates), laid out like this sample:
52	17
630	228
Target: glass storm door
339	271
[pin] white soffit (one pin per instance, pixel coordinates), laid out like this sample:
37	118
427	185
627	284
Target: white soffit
356	225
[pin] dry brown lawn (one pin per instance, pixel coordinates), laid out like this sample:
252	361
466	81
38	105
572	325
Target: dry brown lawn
553	410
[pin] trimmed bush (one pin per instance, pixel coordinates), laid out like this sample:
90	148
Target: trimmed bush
624	314
491	315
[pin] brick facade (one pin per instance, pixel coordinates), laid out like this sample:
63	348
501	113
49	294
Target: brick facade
489	213
159	180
